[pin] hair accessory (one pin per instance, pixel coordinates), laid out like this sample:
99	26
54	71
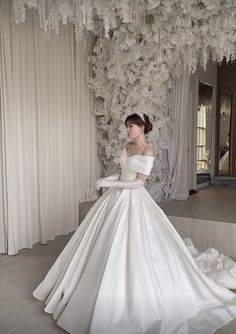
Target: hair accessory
141	115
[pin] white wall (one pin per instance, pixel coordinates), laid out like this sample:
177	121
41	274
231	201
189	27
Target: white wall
209	77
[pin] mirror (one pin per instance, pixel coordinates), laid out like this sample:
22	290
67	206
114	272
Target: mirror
224	132
204	133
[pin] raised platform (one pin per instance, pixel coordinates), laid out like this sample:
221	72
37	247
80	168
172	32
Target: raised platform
228	181
207	217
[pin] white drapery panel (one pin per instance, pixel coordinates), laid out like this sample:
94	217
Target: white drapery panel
178	150
49	130
2	197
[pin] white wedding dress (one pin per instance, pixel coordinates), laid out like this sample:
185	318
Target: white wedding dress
127	271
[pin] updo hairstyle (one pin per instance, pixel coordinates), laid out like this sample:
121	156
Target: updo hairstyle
137	120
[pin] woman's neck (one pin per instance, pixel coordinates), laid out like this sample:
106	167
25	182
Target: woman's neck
139	142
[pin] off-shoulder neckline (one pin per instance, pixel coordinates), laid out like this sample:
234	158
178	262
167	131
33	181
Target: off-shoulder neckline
136	155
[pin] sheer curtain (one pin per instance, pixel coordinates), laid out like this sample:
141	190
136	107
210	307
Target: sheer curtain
48	128
178	151
2	178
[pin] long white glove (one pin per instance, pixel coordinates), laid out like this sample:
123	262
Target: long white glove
136	184
113	177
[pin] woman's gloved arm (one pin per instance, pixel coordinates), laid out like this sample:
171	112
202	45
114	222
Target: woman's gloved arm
136	184
113	177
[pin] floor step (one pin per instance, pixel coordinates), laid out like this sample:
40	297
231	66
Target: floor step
228	181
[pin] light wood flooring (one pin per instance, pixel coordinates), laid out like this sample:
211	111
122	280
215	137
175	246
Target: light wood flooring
20	313
210	203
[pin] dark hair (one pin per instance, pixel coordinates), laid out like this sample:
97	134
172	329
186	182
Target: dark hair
137	120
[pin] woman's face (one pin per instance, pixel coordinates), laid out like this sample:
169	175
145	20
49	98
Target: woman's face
134	130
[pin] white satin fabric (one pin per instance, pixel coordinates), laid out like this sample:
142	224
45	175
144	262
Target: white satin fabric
217	266
127	271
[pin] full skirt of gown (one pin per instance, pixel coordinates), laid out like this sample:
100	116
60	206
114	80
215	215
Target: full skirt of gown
127	271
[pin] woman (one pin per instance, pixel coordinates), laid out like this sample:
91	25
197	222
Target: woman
126	270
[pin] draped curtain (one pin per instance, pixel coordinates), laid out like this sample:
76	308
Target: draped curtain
178	150
48	146
2	220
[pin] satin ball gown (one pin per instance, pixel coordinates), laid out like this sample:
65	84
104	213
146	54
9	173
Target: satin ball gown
126	270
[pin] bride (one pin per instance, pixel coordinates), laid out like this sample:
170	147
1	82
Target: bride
126	270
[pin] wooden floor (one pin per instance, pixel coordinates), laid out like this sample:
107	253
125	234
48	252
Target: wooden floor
207	217
20	313
210	203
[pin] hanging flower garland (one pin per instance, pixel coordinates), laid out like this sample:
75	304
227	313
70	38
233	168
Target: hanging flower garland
142	46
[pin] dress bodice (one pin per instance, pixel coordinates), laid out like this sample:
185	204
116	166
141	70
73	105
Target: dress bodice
134	164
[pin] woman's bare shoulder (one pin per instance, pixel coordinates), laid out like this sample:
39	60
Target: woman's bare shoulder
149	151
